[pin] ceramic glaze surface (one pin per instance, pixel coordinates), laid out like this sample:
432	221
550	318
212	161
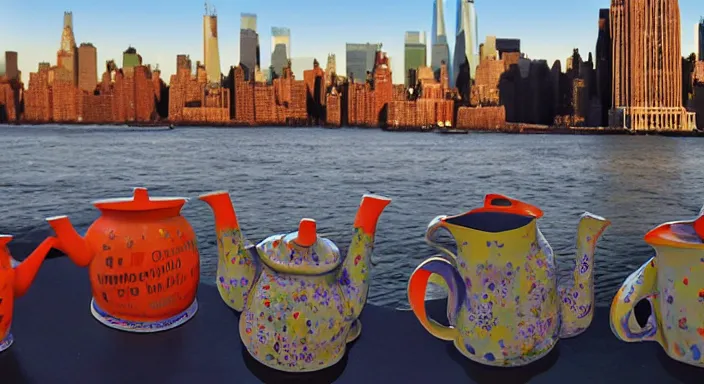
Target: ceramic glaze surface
300	300
505	307
236	268
143	262
15	279
673	283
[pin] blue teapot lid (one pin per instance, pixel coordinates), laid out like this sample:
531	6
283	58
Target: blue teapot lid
302	252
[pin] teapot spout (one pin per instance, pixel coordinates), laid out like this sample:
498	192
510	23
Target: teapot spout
577	296
354	274
27	270
236	267
70	242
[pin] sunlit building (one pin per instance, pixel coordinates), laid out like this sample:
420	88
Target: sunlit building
647	67
249	44
280	49
211	51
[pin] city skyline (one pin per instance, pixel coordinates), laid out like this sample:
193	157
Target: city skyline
184	24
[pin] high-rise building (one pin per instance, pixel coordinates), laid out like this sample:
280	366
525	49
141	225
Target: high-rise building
647	67
87	67
603	65
360	60
508	46
330	69
11	68
211	51
466	38
440	50
249	44
2	65
700	40
130	58
66	57
280	49
487	50
415	54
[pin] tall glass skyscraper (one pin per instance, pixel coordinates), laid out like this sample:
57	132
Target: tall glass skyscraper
700	39
415	53
249	43
466	38
440	50
280	49
360	59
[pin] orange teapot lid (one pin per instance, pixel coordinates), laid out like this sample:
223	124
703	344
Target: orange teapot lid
495	202
140	201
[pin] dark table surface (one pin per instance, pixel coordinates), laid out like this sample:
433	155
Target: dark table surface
58	341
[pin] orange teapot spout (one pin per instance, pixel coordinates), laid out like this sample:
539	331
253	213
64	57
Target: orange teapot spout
70	242
27	270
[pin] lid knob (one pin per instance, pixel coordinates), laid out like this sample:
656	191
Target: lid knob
140	194
307	234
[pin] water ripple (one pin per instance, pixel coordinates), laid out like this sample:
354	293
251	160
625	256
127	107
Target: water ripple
277	176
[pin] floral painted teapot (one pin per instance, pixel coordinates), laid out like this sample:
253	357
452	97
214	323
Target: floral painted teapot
300	301
671	282
504	305
15	279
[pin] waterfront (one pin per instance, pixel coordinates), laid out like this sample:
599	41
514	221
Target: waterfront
277	176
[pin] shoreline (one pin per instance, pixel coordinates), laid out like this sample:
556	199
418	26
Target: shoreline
509	128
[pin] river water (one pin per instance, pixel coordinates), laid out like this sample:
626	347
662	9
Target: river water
278	175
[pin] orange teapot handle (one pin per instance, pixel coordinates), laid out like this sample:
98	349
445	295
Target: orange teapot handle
495	202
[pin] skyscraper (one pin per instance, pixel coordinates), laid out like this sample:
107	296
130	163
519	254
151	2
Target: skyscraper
466	38
647	67
603	65
211	52
66	57
249	44
87	67
415	53
440	50
280	49
11	66
360	60
700	39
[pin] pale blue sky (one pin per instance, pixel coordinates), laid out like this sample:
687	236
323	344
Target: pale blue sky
161	29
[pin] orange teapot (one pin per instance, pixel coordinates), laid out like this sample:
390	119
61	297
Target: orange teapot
143	261
15	279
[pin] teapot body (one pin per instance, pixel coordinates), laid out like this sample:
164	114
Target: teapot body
145	270
296	322
7	302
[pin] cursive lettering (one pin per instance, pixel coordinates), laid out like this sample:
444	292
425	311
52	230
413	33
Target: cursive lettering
158	255
128	278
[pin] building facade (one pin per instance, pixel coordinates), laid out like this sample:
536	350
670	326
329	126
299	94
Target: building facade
700	40
249	44
647	66
440	50
466	38
67	56
87	67
360	60
211	50
280	49
10	66
603	66
415	54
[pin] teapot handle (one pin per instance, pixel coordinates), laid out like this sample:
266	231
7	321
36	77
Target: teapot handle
641	284
457	294
431	231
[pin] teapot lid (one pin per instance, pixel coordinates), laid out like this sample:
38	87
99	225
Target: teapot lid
678	234
494	202
301	252
140	201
